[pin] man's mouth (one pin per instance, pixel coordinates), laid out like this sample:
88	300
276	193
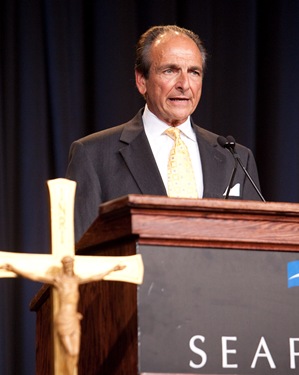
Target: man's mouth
179	99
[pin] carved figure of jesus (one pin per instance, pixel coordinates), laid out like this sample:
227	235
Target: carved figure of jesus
67	319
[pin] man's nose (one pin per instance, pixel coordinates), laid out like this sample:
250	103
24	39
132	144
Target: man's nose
182	82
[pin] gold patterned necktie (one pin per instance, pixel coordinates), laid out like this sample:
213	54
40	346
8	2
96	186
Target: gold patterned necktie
181	180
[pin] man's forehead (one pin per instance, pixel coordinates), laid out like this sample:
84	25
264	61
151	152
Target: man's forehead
177	57
175	45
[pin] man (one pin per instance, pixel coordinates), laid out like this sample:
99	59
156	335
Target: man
132	158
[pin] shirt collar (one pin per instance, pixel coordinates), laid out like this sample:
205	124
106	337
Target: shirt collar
154	127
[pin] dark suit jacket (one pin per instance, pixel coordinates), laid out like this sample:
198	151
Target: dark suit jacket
119	161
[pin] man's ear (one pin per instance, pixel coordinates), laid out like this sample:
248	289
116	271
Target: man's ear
140	82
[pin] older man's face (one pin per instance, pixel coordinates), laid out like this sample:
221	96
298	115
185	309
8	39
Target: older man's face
173	87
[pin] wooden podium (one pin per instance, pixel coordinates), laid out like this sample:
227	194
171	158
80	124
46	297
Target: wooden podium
215	299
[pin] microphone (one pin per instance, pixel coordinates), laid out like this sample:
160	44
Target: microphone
223	142
229	143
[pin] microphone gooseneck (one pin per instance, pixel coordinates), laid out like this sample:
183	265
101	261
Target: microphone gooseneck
229	143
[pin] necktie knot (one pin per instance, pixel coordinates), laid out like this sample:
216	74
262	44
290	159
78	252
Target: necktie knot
173	132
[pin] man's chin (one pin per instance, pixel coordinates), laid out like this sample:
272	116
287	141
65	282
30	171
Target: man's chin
179	117
175	121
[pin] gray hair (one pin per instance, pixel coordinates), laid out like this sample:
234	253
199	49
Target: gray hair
143	63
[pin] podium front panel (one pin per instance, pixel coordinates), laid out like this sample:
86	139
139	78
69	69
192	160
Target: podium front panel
217	311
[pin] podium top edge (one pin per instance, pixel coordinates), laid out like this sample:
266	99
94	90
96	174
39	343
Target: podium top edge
205	204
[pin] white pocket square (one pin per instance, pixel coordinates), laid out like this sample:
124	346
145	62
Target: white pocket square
234	191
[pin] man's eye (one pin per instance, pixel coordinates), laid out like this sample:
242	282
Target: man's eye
168	71
196	73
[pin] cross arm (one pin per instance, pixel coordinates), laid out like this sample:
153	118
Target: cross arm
93	268
37	267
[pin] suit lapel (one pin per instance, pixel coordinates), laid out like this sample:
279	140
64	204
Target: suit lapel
214	164
139	158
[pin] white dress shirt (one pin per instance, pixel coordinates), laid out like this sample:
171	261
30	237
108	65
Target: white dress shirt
161	145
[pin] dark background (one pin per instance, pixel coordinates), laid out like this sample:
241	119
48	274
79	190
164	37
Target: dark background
66	70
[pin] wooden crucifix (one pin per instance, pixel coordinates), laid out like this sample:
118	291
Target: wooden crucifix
65	271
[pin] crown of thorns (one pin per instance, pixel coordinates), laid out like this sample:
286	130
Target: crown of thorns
67	259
